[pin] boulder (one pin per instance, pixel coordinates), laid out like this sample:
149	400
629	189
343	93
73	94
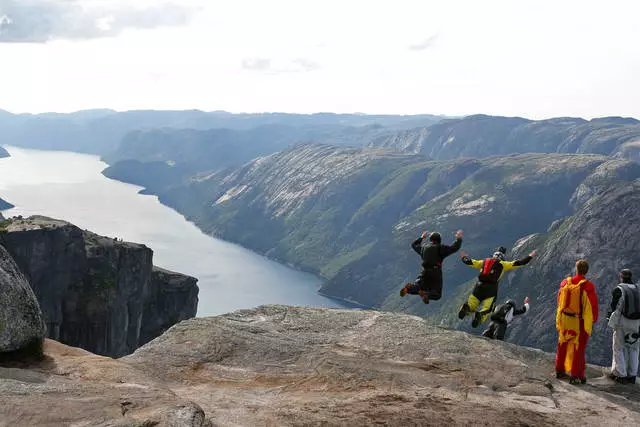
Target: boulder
21	322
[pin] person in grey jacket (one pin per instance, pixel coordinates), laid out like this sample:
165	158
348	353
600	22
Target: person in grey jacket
624	319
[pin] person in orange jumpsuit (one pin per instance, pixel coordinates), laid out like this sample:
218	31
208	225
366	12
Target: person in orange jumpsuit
577	312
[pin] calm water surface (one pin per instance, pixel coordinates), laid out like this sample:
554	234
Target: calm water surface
70	186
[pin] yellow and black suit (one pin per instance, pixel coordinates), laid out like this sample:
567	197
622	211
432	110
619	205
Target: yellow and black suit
483	298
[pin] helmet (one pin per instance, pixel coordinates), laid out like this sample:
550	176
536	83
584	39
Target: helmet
625	274
499	255
435	237
511	302
502	250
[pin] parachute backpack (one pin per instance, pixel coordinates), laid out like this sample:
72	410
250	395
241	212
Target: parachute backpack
631	307
570	299
491	270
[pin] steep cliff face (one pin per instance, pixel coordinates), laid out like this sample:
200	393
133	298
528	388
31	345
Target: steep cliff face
484	136
95	292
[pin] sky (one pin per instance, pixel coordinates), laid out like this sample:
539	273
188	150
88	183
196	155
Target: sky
535	59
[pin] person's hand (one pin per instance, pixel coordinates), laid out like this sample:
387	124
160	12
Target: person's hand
526	300
459	234
424	235
534	253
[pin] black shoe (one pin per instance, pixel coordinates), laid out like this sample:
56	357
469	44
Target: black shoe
560	375
574	380
476	320
464	310
631	380
583	380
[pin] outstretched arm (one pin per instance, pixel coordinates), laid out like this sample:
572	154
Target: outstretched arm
510	265
523	310
473	263
445	250
417	245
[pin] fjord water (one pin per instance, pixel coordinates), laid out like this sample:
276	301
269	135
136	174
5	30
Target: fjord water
70	186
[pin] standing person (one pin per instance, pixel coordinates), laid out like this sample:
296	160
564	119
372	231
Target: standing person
624	319
428	284
501	318
483	297
577	312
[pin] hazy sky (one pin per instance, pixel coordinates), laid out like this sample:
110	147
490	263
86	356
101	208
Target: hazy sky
514	57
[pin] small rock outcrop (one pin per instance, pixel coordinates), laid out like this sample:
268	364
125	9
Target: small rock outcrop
97	293
21	323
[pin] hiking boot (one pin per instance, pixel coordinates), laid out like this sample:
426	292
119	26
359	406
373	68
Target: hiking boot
583	380
476	320
404	290
560	375
631	380
464	310
425	296
574	380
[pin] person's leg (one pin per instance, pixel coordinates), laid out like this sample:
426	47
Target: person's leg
482	314
469	307
501	331
412	288
561	354
490	331
632	360
435	284
579	364
618	364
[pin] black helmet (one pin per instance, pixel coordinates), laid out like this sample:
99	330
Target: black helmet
511	302
625	274
435	237
502	250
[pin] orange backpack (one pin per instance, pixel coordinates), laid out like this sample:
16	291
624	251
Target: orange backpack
570	299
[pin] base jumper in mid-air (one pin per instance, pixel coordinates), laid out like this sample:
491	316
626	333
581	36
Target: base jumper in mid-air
482	298
428	284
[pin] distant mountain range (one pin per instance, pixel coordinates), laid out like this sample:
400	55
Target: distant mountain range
345	200
484	136
101	131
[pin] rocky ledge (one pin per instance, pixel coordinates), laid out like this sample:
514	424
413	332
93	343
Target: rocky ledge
278	365
98	293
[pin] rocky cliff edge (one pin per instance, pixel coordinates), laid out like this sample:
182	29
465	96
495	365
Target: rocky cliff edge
98	293
278	365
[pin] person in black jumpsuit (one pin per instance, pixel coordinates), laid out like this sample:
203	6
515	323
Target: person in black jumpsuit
428	284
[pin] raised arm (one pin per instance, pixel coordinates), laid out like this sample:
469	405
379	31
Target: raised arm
417	245
445	250
523	310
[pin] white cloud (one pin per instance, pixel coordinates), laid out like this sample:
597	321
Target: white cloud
39	21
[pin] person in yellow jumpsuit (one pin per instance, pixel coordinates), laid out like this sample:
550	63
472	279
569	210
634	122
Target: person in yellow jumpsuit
483	297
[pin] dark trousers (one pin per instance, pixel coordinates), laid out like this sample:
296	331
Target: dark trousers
430	281
496	330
